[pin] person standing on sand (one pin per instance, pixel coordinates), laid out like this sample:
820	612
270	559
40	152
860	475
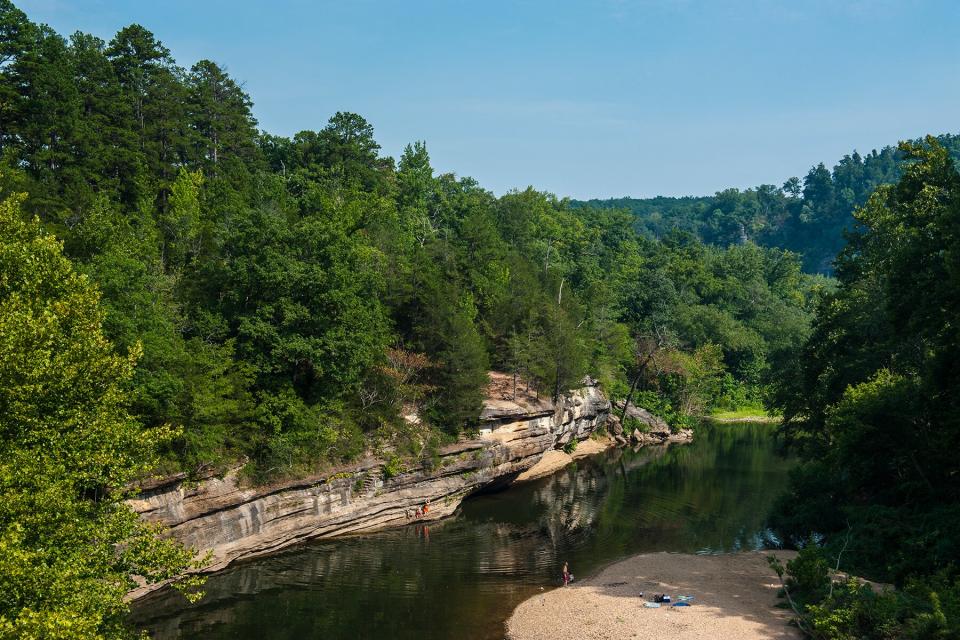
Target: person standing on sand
566	574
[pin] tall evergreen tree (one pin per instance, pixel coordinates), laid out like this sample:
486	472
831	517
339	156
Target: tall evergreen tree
224	128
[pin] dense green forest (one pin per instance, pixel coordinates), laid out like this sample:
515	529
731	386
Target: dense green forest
177	282
293	297
808	216
871	402
69	447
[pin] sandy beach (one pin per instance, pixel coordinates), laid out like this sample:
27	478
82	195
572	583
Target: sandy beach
734	596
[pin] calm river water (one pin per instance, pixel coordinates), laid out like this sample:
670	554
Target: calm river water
462	577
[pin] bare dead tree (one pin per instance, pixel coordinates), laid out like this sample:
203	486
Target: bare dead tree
645	347
846	541
779	569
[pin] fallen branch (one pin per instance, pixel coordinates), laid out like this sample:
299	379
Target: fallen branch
836	570
778	568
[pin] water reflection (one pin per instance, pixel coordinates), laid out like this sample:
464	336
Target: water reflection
460	578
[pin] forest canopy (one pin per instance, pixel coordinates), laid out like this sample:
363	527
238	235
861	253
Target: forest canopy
871	403
294	297
69	448
808	216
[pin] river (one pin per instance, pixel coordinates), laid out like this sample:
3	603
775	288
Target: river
462	577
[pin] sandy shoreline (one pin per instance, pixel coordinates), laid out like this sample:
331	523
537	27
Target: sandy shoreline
556	459
735	596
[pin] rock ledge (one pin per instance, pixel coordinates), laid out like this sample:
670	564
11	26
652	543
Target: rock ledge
234	522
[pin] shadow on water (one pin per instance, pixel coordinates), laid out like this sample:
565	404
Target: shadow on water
461	578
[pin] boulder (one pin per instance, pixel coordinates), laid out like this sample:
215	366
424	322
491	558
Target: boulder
655	424
615	427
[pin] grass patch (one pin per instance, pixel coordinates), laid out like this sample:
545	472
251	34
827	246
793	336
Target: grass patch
745	413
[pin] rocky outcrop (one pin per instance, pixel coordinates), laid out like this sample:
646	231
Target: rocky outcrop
651	422
233	521
653	429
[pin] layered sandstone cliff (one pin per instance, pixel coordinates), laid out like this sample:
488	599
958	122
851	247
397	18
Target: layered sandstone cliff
233	521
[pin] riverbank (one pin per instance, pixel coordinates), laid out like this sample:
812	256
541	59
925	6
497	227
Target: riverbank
735	596
464	577
231	521
557	459
753	419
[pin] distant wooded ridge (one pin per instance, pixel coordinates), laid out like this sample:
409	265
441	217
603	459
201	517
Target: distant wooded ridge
807	216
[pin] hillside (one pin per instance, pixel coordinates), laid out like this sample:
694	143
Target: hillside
807	216
293	298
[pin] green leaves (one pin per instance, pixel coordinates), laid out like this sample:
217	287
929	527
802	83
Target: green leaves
293	302
68	450
875	397
264	278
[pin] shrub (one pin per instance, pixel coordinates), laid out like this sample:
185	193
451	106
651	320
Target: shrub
393	466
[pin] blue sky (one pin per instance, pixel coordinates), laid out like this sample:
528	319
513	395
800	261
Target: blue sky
585	99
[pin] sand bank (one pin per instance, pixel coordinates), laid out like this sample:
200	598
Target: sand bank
735	596
553	461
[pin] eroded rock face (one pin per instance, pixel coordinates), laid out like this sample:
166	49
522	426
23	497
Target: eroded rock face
644	417
655	429
233	521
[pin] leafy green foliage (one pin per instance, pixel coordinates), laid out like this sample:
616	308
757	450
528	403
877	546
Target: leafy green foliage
872	407
831	607
68	449
294	302
873	404
659	404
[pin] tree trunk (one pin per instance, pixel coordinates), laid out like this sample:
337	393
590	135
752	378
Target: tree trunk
626	403
633	387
